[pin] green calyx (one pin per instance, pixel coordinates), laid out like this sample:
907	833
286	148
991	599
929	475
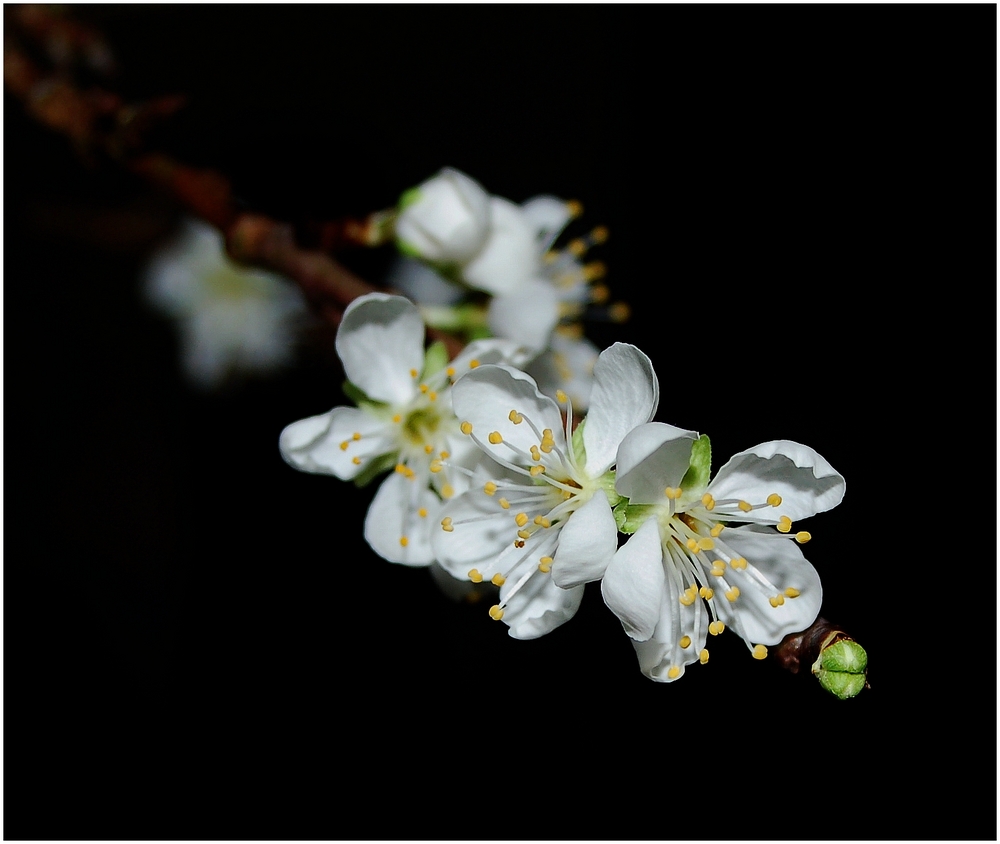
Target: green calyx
408	198
700	466
842	668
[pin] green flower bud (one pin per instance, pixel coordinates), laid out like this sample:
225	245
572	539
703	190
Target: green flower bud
840	683
841	668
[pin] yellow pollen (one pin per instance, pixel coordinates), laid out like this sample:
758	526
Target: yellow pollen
436	466
574	208
413	373
595	270
432	395
515	417
733	594
444	455
544	568
450	372
717	529
503	502
495	438
401	468
356	461
703	656
404	541
619	312
776	601
792	592
344	445
428	449
692	544
495	612
688	597
759	652
355	436
599	293
706	593
745	506
774	499
599	234
541	521
561	397
716	627
498	579
674	672
536	471
475	576
524	534
466	428
784	524
545	561
672	493
738	562
446	524
447	491
707	501
422	512
489	488
521	519
473	363
803	536
705	544
685	642
398	418
576	247
716	571
535	453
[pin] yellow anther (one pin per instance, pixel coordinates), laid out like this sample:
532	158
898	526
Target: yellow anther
599	293
561	397
745	506
705	544
717	529
674	672
355	436
803	536
521	519
576	247
444	455
784	524
401	468
473	363
548	445
447	525
450	372
422	512
495	438
688	597
515	417
535	453
541	521
489	488
356	461
344	445
432	395
545	561
599	234
759	652
404	541
706	593
716	627
685	642
498	579
716	571
524	534
792	592
776	601
544	567
475	576
550	256
692	544
703	656
397	418
738	562
428	449
673	493
595	270
574	208
774	499
466	428
413	373
733	594
495	612
447	491
546	434
503	502
619	312
535	471
707	501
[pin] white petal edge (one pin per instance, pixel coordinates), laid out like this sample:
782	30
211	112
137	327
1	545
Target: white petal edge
587	542
314	444
652	457
633	582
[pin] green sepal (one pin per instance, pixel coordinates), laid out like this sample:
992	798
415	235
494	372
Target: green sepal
579	449
408	197
376	467
607	483
360	398
435	359
700	467
407	249
629	517
478	332
845	655
840	683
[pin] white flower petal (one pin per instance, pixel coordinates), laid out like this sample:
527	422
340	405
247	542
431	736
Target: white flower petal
527	316
380	341
449	221
633	583
486	396
419	282
548	216
394	514
779	561
587	542
805	481
315	444
510	257
651	458
493	350
567	365
625	395
482	532
539	606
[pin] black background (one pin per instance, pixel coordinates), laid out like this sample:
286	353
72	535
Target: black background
801	202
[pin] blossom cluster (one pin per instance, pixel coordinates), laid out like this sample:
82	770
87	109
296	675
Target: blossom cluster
495	478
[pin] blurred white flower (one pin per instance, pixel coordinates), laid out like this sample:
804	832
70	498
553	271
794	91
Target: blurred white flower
232	319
